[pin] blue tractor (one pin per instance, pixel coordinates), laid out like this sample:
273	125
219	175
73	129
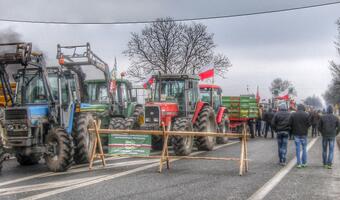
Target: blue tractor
39	122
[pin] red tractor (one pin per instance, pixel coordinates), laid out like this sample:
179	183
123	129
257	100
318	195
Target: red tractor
212	94
176	103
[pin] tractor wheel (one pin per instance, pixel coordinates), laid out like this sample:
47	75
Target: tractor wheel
205	123
223	127
156	142
132	122
182	145
2	157
83	140
31	159
117	123
60	156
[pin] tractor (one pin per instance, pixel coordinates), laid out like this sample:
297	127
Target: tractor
176	104
39	121
212	94
101	96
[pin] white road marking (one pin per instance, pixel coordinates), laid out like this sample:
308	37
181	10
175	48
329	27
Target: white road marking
45	174
106	178
44	186
268	186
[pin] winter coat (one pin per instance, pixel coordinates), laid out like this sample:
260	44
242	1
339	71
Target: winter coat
329	124
268	116
299	122
280	121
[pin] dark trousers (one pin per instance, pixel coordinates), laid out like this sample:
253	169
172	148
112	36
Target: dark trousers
314	130
282	143
258	127
268	126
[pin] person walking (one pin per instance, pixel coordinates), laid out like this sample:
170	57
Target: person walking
315	118
280	124
259	121
329	128
299	123
267	118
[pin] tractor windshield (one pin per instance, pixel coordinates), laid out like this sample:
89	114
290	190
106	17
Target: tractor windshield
205	94
170	91
97	92
31	89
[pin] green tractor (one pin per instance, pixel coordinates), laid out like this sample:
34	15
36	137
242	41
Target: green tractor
103	98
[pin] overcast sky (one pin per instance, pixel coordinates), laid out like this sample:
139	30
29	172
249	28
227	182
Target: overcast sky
295	45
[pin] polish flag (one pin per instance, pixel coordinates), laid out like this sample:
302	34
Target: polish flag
207	74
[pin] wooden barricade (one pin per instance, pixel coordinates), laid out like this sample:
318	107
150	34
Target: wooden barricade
165	157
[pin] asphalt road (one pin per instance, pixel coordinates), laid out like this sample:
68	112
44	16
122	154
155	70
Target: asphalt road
187	179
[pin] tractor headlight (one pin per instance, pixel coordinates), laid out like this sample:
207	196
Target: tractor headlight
10	127
147	119
24	127
155	119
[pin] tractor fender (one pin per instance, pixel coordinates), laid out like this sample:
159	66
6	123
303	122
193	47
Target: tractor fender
199	106
220	112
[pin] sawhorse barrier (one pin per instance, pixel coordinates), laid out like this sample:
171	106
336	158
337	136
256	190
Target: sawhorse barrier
165	157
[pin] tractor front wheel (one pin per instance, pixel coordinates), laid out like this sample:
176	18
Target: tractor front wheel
60	150
182	145
223	127
134	121
31	159
206	123
2	157
83	140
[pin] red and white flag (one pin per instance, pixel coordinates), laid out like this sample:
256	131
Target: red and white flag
207	74
148	83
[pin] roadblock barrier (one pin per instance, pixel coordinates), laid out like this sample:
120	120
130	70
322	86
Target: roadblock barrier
165	157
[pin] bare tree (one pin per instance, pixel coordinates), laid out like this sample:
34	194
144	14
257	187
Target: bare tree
279	85
170	47
332	95
313	101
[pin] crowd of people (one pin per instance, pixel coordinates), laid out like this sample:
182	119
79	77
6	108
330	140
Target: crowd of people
295	126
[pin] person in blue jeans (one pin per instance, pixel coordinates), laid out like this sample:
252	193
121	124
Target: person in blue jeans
280	124
329	128
299	123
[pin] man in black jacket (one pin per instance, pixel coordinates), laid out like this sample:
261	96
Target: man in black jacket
280	124
299	123
267	118
329	128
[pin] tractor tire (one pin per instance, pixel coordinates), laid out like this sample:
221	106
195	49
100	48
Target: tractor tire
206	123
182	145
83	140
2	157
63	158
156	142
117	123
25	160
132	122
223	127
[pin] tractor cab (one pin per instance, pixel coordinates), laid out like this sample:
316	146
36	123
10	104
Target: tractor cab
211	94
39	121
174	95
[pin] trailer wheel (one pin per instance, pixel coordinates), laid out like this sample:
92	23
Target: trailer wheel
60	155
31	159
206	123
223	127
182	145
83	140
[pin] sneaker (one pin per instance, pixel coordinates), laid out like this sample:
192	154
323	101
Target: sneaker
304	165
329	166
298	166
283	164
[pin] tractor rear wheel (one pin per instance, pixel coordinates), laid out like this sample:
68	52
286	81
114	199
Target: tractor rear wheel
182	145
223	127
133	122
83	140
60	155
206	123
31	159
